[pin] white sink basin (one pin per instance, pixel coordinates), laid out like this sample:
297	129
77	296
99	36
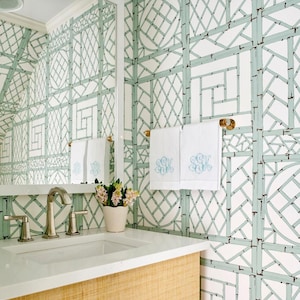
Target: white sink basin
72	248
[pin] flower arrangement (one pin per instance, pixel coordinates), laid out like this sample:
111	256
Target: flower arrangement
115	194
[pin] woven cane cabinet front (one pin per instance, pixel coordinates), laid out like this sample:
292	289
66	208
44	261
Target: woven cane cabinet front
177	278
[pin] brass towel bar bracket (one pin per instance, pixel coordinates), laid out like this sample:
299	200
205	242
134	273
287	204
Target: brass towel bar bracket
229	124
109	139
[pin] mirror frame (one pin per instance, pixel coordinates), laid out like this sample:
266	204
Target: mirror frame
42	189
119	108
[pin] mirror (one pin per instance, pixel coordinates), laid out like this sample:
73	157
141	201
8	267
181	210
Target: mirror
75	92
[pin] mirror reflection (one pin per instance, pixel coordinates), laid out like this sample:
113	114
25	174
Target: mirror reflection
70	95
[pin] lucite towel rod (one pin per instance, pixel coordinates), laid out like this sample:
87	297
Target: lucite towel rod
229	124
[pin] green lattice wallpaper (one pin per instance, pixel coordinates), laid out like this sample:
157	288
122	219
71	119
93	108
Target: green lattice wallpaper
19	51
198	60
70	97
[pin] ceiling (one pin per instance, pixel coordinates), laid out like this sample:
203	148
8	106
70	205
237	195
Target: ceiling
46	15
43	10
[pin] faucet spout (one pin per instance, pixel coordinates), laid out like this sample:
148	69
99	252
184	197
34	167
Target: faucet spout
50	224
65	198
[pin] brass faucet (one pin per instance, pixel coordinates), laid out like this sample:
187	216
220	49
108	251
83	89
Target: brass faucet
50	224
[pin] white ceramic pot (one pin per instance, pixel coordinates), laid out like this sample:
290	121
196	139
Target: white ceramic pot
115	218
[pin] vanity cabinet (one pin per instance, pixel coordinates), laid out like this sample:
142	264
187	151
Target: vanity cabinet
177	278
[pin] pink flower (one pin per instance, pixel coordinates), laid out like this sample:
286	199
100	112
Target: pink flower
115	194
130	196
116	197
101	194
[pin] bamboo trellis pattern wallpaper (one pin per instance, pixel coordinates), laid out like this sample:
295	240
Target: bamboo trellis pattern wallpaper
19	49
70	97
199	60
186	62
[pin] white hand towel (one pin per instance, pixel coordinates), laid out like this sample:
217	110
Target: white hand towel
97	160
78	166
201	156
164	159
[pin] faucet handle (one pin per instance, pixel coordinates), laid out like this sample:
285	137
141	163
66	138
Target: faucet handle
72	222
25	235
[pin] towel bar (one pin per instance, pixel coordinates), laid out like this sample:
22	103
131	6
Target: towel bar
228	123
109	139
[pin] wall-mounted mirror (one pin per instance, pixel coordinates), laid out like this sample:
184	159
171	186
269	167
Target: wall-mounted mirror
75	92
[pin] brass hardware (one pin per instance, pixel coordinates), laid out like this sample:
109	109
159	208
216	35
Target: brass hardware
147	133
228	123
25	235
72	222
50	224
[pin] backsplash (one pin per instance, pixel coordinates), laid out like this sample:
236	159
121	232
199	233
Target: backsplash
35	207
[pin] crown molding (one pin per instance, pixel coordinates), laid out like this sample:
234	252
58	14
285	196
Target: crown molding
71	11
24	22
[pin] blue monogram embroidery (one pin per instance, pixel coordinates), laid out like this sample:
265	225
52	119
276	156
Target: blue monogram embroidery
95	168
76	168
200	163
163	166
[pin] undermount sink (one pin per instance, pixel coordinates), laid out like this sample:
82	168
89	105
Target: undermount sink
72	248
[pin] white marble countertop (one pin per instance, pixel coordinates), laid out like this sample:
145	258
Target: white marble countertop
26	275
